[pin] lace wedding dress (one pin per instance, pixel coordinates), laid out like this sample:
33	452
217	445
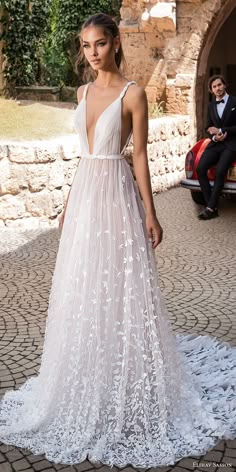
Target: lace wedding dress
115	384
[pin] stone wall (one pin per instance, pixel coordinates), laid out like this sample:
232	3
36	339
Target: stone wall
36	176
167	44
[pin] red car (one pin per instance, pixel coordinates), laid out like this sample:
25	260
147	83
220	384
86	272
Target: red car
191	182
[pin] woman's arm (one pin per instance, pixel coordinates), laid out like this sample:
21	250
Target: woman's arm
139	110
61	221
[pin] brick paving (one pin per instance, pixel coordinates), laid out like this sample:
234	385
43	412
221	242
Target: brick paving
197	267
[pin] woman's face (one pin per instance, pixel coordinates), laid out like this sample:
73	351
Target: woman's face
99	49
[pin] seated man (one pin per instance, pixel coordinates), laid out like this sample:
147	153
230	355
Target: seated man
221	151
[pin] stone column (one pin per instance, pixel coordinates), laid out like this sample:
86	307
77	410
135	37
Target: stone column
146	27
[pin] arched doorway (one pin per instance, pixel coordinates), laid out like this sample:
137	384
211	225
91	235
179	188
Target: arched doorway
217	57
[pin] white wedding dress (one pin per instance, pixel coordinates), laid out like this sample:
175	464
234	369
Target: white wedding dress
115	384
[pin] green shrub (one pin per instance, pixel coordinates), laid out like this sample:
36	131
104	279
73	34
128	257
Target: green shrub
40	38
24	24
156	110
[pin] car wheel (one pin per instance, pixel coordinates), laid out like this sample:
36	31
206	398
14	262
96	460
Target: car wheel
198	197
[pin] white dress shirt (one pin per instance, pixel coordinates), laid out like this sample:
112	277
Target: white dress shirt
220	108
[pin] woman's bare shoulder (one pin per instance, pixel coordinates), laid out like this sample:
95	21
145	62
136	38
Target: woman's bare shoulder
136	95
136	89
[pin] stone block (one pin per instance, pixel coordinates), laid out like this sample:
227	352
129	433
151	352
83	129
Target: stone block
37	177
12	207
146	25
38	93
69	171
22	153
214	456
229	461
6	467
184	25
151	92
19	174
32	458
11	187
40	204
68	94
4	175
127	28
57	201
128	14
55	178
187	463
163	13
48	152
137	40
3	151
188	9
155	39
231	443
14	455
184	80
83	466
194	46
42	465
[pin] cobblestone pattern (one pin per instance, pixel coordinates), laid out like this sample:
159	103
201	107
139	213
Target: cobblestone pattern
197	267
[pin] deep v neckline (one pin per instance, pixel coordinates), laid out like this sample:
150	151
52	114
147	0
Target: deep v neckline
101	114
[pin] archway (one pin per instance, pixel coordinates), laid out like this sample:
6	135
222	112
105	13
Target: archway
216	57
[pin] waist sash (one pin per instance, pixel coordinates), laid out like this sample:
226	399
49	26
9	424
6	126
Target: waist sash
103	156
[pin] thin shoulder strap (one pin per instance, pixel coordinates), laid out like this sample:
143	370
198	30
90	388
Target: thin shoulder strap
126	88
86	89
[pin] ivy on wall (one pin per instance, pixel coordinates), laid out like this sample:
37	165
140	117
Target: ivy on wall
40	38
24	24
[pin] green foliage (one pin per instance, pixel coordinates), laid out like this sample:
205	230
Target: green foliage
40	38
24	23
156	110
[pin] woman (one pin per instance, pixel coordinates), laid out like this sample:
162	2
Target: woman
115	385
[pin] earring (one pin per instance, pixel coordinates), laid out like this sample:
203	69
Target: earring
116	50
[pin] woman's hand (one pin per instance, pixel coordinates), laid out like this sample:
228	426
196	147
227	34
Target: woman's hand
61	220
154	230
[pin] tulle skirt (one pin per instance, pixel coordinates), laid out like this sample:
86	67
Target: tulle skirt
115	384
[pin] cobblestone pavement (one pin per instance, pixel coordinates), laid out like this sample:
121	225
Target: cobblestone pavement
197	267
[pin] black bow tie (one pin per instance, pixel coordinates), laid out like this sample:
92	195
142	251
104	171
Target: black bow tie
220	101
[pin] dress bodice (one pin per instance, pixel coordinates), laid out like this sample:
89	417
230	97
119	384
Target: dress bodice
107	133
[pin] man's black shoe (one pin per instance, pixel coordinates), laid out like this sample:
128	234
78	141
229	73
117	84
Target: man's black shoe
208	214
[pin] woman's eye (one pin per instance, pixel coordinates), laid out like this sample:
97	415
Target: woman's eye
85	45
101	44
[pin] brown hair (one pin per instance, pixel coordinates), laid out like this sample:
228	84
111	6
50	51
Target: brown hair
111	29
213	78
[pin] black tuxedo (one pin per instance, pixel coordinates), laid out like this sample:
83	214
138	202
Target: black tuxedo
221	153
227	122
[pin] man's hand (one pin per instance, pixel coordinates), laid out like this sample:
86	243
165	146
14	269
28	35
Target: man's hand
213	130
220	136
